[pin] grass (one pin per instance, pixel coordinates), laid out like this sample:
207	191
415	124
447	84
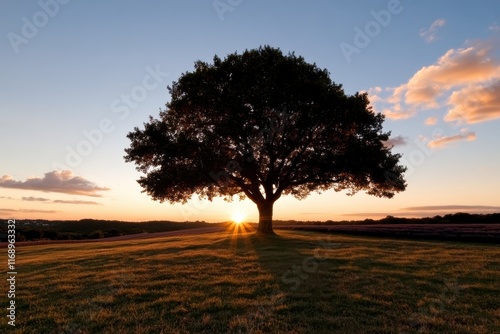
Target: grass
296	282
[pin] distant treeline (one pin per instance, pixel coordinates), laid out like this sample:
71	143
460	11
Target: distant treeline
39	229
454	218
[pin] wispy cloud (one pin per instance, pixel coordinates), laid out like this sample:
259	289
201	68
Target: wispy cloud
428	211
55	181
35	199
369	214
13	211
430	34
448	208
494	27
57	201
75	202
441	142
396	141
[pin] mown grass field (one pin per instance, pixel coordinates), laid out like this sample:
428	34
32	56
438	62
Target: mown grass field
296	282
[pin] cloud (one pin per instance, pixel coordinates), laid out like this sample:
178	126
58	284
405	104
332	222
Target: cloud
449	208
35	199
441	142
464	81
396	141
455	68
494	27
75	202
6	197
11	211
369	214
428	211
429	34
55	181
397	113
474	104
431	120
57	201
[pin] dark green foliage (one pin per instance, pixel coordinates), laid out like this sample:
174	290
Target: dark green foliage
99	234
262	125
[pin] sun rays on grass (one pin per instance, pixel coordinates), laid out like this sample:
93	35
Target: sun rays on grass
197	284
239	228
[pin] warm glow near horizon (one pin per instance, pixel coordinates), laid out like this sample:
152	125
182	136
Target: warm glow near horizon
238	217
72	91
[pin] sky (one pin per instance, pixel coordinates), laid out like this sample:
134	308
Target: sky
77	76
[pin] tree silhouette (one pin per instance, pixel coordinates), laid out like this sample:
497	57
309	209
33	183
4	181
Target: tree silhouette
261	125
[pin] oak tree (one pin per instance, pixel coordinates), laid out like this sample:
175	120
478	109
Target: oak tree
261	125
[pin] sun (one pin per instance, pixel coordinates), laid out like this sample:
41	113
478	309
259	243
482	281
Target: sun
239	227
238	217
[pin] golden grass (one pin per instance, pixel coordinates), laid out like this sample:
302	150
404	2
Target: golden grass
296	282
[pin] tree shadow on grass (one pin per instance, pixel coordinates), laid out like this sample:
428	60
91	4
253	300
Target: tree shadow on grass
299	264
284	252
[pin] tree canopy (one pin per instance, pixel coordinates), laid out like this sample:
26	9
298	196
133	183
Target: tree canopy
261	125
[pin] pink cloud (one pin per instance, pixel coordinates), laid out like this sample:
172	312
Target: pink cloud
431	120
55	181
474	104
447	140
457	67
453	81
452	208
60	201
13	211
396	112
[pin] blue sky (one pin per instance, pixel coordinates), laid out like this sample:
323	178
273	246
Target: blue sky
71	68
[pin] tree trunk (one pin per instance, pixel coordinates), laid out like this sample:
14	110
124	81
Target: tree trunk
265	217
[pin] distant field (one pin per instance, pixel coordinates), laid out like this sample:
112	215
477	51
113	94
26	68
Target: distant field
457	226
297	282
488	233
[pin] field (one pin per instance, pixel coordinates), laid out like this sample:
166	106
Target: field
237	282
